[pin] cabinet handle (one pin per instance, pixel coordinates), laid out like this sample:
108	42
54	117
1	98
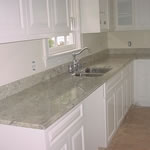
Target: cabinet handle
105	22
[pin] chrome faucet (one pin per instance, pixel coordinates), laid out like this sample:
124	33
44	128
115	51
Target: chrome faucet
74	67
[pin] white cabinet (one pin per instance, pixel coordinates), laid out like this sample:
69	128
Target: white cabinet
12	20
132	14
142	10
61	15
127	87
77	138
119	103
95	120
94	16
104	15
104	109
38	16
111	14
141	83
114	102
125	14
35	19
118	100
68	132
111	116
62	144
90	16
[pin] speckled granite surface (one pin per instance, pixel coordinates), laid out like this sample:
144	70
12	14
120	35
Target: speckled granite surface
42	104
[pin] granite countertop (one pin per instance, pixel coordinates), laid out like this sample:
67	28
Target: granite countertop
41	105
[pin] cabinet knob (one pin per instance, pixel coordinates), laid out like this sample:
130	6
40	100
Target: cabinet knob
105	22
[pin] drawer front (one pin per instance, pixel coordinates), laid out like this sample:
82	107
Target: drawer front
63	125
110	84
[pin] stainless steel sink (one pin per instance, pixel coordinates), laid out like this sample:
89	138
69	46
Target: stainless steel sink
97	70
93	72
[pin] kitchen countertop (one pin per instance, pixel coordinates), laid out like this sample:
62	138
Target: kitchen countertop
41	105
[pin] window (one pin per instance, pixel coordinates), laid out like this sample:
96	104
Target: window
61	43
66	31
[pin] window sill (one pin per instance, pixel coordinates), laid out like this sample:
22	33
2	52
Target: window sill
62	53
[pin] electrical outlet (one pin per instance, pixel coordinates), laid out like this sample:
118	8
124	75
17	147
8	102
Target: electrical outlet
129	43
34	65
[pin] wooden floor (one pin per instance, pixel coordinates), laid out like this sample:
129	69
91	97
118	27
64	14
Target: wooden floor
134	133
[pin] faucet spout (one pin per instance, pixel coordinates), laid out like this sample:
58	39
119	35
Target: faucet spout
78	53
75	66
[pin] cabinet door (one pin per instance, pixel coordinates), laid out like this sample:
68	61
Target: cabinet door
62	144
110	106
142	13
12	19
119	103
77	138
104	21
38	16
90	16
61	16
125	14
127	98
95	120
142	84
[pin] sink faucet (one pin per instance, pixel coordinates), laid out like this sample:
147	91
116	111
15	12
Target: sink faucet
74	67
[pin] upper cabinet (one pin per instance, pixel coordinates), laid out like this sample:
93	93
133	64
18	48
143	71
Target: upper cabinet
94	16
124	14
142	10
61	16
90	16
12	20
132	14
38	14
36	19
104	15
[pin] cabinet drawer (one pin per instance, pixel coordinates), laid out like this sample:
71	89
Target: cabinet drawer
63	125
113	81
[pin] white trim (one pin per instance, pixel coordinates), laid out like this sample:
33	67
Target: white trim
60	49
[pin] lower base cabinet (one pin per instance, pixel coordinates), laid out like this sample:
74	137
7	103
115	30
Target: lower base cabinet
77	138
94	119
142	82
68	132
74	140
105	109
119	103
110	118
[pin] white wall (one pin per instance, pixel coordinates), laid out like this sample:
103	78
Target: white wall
16	58
139	39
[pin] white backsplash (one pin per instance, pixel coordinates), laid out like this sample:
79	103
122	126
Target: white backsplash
139	39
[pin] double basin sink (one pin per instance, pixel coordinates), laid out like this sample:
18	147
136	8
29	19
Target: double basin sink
93	71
